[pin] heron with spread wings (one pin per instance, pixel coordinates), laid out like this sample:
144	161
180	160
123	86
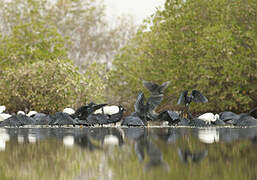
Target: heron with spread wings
185	99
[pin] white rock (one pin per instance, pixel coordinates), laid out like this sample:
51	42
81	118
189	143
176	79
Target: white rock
69	111
110	110
4	116
31	113
2	109
21	112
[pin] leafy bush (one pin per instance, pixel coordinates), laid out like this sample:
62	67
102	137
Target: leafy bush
37	75
47	87
206	45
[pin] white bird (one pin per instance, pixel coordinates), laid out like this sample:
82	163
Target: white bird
209	117
109	110
69	111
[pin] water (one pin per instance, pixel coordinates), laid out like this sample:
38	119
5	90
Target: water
128	153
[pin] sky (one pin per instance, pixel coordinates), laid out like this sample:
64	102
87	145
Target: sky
139	9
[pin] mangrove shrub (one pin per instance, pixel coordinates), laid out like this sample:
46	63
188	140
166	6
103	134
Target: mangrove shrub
195	44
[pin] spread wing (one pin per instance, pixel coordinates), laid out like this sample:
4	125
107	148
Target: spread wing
198	97
253	113
154	101
164	85
152	87
97	106
139	105
155	89
182	98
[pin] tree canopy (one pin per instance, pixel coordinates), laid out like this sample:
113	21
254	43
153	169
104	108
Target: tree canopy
195	44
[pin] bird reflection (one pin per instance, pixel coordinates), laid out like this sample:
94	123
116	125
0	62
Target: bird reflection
156	160
186	156
108	136
85	142
4	137
209	135
170	135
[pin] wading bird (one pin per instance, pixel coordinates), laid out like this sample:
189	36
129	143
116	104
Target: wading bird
185	99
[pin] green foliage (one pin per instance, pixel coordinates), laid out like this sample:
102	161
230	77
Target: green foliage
46	87
28	43
36	73
206	45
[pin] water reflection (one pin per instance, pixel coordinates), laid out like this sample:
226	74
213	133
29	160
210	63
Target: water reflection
208	135
187	156
140	150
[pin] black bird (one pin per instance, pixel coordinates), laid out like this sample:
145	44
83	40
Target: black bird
138	118
142	110
155	89
171	116
196	96
84	111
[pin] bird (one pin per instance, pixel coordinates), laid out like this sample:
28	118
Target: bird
209	117
154	88
185	99
84	111
142	109
196	96
171	116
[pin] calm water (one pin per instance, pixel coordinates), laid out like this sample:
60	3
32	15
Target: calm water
128	153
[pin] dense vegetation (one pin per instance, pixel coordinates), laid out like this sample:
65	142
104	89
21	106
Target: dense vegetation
196	44
206	45
36	71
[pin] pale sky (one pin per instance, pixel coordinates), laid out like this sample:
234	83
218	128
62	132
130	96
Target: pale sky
140	9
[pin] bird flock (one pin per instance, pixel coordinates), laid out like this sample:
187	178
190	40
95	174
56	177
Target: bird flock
144	111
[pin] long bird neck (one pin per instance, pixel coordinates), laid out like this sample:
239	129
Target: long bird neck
189	99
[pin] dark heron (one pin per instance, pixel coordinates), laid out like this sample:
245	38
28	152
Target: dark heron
185	99
142	110
155	89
